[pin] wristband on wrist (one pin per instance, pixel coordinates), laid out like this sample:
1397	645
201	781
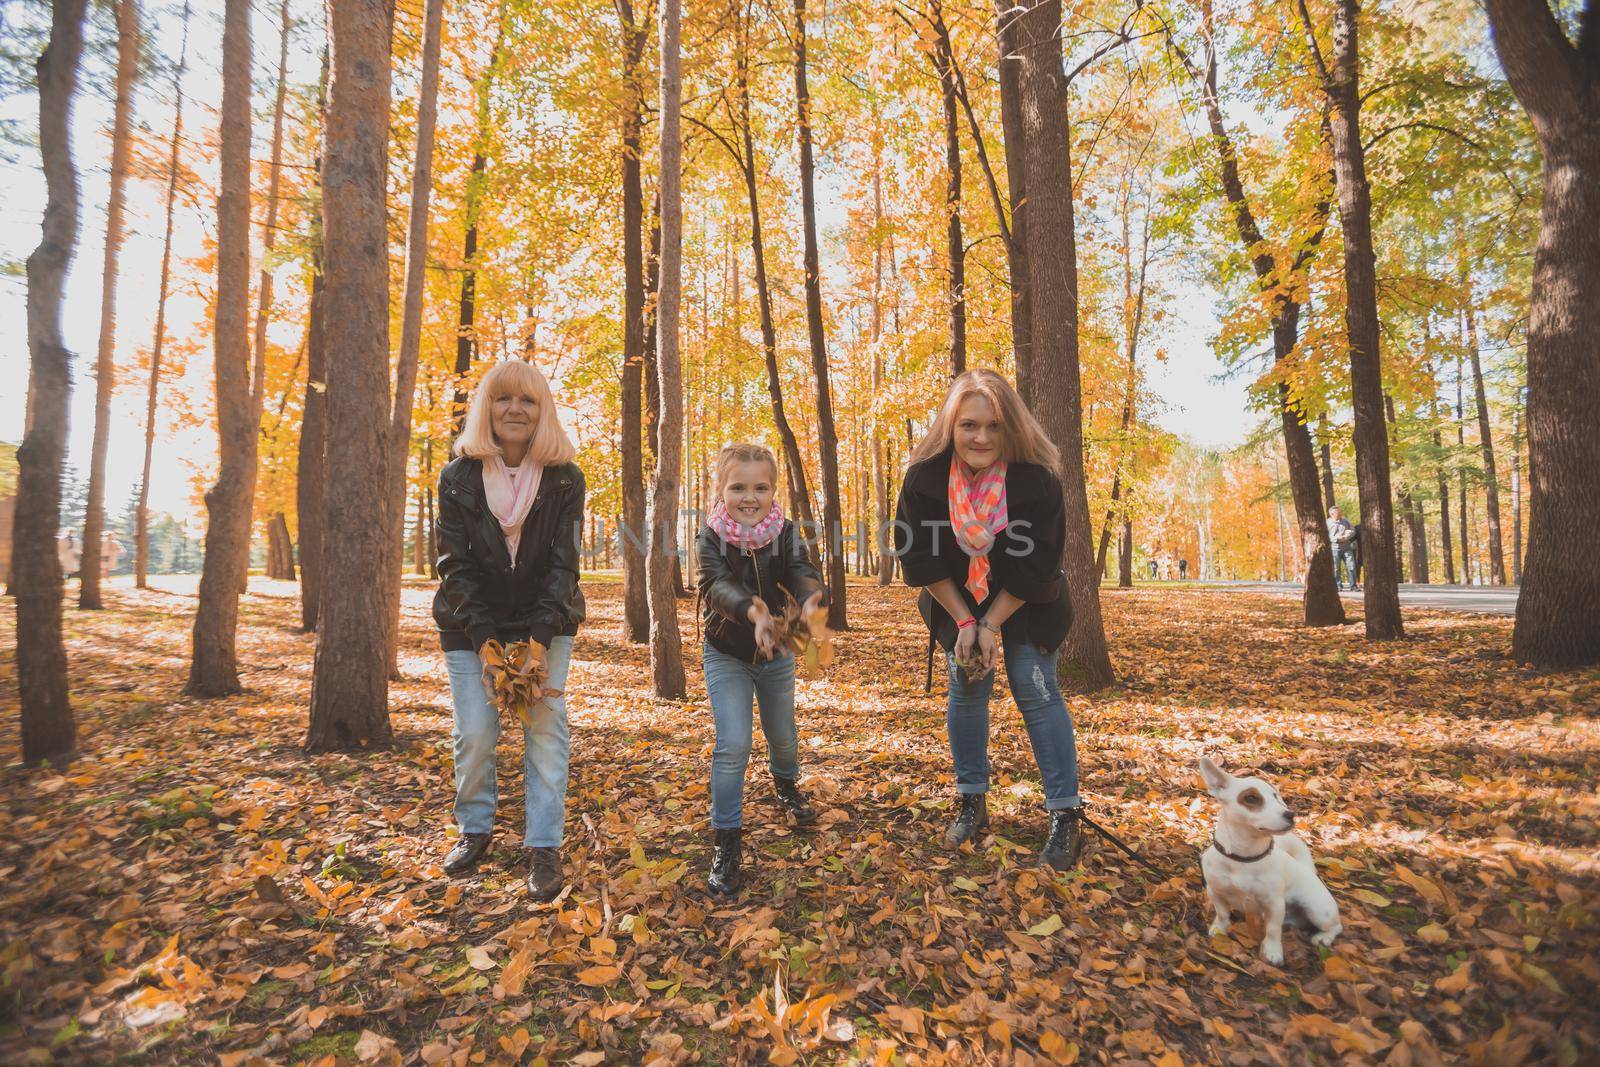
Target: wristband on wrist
966	622
987	625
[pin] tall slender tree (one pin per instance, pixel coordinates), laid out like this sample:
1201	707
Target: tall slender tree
827	435
269	241
141	554
635	602
666	646
1558	82
105	368
1320	603
311	461
1008	16
1053	305
349	682
944	65
48	729
1491	480
1341	81
405	383
215	671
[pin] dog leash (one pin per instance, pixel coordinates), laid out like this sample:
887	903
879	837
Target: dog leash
1083	817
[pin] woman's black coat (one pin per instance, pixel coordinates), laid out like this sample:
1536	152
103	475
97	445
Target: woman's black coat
1025	559
481	594
731	577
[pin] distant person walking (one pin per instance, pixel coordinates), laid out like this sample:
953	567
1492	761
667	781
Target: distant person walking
1356	546
1183	569
1343	536
1152	570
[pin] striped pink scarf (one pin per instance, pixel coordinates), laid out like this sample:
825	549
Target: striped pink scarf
978	513
740	536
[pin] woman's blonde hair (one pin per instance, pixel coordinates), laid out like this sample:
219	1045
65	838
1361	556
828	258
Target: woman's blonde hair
550	445
1021	436
742	452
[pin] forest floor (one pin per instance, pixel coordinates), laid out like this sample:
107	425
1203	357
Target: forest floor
194	888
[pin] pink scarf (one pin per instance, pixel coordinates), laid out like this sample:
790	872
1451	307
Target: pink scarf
740	536
510	498
978	513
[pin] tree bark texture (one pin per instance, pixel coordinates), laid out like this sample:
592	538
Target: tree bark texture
1497	559
944	62
1379	580
1007	16
105	367
1558	82
636	608
311	462
214	671
48	729
405	382
666	646
349	682
827	436
1053	297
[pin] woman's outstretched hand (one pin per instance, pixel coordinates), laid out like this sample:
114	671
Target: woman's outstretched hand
766	628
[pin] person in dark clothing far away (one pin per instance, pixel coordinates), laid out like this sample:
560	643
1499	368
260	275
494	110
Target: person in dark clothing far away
1355	545
1183	569
1152	570
1343	536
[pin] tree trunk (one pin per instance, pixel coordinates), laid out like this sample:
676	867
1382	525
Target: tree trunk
105	372
466	315
1497	560
827	437
1558	610
1053	299
1329	497
258	386
635	604
215	670
1321	605
800	492
48	729
666	647
280	549
141	537
1516	494
880	470
1125	554
652	296
1379	581
955	246
1461	475
405	383
1410	512
1007	29
349	683
311	466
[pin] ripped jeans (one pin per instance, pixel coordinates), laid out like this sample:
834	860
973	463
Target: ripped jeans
1032	674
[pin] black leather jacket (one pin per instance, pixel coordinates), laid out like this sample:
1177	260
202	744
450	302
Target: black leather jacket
730	578
481	594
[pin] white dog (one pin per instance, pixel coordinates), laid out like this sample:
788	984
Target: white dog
1256	866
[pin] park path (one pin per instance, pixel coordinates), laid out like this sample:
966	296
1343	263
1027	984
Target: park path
1482	599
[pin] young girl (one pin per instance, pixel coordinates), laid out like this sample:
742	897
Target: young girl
510	511
750	555
987	473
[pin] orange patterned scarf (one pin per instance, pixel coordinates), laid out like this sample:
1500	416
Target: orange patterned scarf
978	513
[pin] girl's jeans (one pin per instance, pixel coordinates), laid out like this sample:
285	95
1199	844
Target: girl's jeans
733	685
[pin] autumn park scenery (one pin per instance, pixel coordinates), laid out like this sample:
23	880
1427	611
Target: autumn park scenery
466	479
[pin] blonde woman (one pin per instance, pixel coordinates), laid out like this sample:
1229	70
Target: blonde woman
751	561
980	529
510	513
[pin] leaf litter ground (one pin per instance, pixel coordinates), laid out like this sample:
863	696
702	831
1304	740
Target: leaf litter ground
196	889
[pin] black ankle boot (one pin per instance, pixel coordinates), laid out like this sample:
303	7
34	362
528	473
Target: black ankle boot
469	849
726	878
971	818
1061	848
544	875
794	801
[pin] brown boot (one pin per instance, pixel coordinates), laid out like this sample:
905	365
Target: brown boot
544	875
971	819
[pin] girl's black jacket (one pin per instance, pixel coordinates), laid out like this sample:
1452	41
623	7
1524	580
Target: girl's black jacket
731	577
1025	559
481	595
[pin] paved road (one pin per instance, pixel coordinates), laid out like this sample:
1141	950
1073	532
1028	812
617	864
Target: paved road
1486	599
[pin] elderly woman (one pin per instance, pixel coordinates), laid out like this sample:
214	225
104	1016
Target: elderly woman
980	530
510	513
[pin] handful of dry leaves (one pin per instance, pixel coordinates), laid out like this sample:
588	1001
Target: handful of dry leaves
805	633
519	675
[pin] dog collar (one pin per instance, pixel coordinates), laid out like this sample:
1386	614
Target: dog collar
1271	841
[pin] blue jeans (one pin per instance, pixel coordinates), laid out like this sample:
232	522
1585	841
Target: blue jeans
544	755
1345	556
1032	674
733	685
